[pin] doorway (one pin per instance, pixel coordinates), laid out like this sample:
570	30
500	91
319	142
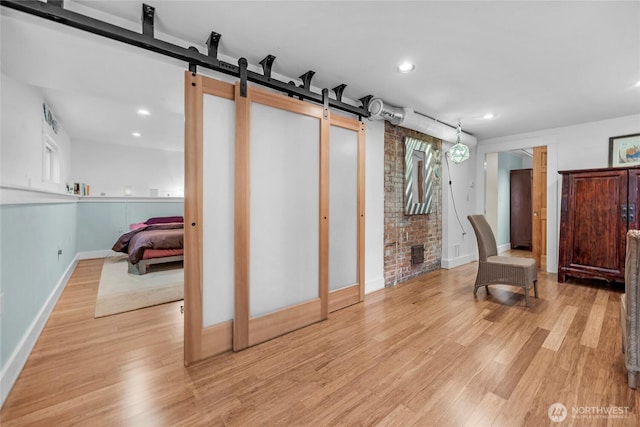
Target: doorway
498	167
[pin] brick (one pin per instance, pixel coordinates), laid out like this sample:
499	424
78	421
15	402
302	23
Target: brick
421	229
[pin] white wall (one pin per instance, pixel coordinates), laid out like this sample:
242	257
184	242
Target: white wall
491	193
581	146
22	138
458	240
108	168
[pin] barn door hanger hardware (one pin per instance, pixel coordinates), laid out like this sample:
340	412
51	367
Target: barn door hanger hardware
54	10
148	15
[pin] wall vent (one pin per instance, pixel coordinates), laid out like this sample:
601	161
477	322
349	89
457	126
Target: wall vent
417	254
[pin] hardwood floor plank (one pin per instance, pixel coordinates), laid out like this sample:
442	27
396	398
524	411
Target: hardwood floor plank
486	412
518	405
560	328
591	334
478	328
401	415
521	362
515	343
425	352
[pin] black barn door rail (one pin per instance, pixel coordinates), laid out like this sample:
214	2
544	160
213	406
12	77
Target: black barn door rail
53	10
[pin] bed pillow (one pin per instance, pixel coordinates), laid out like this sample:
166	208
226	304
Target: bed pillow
164	220
137	225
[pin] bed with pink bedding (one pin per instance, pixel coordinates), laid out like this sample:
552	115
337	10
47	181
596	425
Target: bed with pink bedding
157	240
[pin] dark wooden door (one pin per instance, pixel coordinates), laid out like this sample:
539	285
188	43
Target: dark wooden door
592	227
521	208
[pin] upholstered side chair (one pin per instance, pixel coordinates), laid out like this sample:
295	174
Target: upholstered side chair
630	308
494	269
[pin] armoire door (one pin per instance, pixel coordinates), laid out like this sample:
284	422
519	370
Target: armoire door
632	201
592	225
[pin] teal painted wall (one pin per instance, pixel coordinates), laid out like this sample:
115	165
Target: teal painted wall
31	236
506	163
29	264
101	223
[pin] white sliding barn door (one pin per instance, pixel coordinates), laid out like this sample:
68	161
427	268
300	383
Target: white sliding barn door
285	162
343	208
346	208
274	215
281	288
218	153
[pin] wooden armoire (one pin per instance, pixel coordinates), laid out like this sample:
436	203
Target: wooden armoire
598	206
521	201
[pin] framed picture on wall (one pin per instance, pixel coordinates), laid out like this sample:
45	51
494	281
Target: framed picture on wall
624	151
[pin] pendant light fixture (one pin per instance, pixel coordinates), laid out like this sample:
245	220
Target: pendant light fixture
458	153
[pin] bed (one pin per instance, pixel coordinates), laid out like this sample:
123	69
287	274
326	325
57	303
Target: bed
155	241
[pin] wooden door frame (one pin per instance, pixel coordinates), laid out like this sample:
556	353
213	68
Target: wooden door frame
539	223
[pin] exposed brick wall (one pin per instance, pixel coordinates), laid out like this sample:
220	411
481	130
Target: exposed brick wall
402	231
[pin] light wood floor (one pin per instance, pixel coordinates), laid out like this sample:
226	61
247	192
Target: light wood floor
423	353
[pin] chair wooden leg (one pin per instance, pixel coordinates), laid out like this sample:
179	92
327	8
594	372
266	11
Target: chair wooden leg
535	288
526	296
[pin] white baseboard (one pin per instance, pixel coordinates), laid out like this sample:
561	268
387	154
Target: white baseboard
456	262
11	370
504	248
95	254
373	285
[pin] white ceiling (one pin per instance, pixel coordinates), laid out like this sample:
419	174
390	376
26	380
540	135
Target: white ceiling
536	65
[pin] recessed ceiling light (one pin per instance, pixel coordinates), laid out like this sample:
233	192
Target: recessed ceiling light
637	84
406	67
489	116
136	134
144	112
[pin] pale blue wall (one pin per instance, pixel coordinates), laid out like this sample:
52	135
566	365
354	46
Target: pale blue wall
506	163
101	223
29	264
30	267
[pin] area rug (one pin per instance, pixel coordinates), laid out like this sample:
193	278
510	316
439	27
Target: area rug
120	291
